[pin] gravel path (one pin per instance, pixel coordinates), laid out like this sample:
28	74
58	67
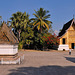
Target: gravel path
42	63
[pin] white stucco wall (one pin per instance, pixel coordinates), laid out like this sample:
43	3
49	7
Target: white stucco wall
8	49
61	47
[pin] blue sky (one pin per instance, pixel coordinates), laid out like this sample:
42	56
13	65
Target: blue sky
61	10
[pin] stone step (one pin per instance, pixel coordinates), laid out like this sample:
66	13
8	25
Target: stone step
8	56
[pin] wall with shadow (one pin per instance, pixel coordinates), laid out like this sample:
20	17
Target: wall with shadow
44	70
72	59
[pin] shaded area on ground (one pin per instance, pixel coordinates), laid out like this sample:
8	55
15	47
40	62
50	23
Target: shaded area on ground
44	70
72	59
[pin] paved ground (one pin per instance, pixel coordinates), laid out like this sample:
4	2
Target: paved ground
42	63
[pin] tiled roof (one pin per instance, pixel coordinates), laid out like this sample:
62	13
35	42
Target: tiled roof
7	36
65	27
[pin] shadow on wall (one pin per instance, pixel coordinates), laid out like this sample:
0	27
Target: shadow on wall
44	70
70	59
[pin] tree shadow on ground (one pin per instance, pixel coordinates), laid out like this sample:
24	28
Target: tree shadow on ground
70	59
44	70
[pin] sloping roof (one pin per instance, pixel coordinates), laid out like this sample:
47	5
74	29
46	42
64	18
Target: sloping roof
65	27
7	36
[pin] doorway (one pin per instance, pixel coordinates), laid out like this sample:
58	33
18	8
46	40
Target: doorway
63	41
72	45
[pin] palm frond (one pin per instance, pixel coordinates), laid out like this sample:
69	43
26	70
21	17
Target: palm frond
38	27
48	22
46	17
45	24
36	15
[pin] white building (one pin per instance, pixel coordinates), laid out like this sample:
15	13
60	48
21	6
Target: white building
8	46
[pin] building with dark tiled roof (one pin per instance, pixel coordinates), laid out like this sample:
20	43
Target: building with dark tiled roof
67	36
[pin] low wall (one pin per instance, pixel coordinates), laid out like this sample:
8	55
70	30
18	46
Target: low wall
16	61
8	49
63	47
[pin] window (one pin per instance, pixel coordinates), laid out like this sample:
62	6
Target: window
63	42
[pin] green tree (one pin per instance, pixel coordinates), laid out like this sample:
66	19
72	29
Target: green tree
19	21
40	21
27	37
41	24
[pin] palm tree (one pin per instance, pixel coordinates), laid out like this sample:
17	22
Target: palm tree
19	20
40	21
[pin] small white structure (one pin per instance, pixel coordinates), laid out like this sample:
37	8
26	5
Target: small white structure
8	46
63	47
6	49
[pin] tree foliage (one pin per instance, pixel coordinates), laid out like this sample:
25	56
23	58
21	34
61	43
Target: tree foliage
49	40
33	33
40	21
19	22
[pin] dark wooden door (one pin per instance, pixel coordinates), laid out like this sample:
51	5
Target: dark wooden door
72	45
63	41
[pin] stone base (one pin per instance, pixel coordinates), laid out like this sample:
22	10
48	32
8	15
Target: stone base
11	59
63	47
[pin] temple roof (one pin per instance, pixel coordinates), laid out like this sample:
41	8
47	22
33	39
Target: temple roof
65	27
7	36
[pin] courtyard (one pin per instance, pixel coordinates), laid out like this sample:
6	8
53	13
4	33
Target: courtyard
42	63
